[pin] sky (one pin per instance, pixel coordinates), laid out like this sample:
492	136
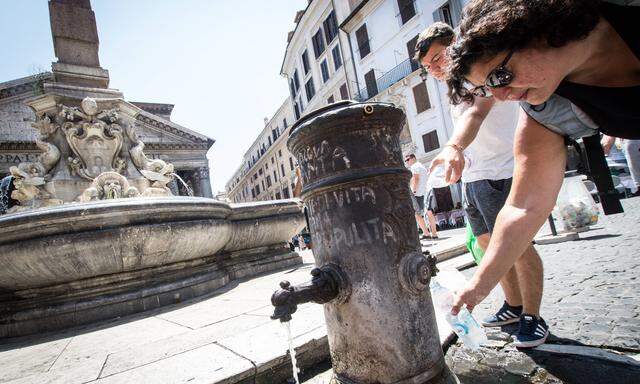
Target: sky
217	61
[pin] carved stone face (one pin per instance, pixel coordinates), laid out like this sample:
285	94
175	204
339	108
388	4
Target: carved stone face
112	190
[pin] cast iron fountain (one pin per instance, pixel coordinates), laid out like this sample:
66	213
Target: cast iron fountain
372	276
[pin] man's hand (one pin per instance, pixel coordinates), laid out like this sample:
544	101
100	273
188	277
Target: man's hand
453	161
471	295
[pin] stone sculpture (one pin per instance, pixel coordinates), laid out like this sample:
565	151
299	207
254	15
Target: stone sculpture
157	171
102	157
109	185
94	137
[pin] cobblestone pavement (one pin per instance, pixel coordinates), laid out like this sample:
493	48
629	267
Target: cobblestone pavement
592	285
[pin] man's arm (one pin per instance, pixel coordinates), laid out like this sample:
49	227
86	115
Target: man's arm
539	155
464	133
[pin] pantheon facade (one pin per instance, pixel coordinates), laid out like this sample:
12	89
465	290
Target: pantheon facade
163	139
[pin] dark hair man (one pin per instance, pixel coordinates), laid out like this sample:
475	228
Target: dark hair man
481	152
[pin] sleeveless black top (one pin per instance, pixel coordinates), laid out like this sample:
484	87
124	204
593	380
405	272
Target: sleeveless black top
616	111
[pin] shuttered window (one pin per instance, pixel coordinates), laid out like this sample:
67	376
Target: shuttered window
296	80
370	81
305	62
407	10
430	141
318	43
362	37
421	97
411	50
324	69
337	58
344	94
310	88
330	27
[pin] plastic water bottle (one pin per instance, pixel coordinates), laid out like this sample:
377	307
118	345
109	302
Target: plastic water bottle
436	177
464	325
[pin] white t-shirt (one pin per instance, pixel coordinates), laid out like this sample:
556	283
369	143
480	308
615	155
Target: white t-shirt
490	155
418	169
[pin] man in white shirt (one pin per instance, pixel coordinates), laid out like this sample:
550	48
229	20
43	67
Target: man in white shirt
484	133
418	184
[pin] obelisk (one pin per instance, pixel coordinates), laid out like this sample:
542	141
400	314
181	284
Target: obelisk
75	42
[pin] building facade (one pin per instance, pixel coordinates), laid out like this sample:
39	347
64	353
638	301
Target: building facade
382	35
362	50
267	171
316	59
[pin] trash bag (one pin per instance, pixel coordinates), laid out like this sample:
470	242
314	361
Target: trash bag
575	207
473	246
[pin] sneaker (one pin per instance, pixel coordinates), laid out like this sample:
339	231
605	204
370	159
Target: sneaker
508	314
533	332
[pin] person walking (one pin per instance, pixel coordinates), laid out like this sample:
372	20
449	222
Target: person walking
418	185
481	153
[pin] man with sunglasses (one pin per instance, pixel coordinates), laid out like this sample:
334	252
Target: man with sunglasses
483	139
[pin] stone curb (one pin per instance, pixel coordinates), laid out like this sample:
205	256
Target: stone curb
452	252
592	352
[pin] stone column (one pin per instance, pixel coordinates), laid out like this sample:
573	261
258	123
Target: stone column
202	182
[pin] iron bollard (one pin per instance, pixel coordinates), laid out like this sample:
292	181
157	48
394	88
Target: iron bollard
381	323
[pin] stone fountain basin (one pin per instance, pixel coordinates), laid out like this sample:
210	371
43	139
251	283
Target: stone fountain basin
81	262
77	241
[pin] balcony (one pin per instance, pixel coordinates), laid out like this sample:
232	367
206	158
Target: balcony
389	78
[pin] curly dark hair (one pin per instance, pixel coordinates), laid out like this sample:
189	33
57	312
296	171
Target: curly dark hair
489	27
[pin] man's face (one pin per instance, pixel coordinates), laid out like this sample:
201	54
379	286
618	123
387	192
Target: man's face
409	161
435	60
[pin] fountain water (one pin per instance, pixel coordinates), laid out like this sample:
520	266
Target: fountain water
292	351
184	184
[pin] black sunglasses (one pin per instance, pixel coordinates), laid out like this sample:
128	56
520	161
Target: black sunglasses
499	77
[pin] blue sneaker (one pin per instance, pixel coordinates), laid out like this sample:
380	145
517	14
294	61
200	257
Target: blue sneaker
533	332
508	314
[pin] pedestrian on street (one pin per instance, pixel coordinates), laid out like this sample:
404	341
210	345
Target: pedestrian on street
481	153
574	66
418	185
630	152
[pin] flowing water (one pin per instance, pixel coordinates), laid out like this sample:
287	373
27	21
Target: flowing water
189	190
292	351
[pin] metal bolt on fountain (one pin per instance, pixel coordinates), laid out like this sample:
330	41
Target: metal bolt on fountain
372	277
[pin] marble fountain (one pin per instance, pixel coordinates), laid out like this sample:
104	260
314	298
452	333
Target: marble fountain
90	230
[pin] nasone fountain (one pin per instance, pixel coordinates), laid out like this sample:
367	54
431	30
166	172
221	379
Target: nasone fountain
371	276
90	231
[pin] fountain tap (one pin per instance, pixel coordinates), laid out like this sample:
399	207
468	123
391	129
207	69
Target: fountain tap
327	284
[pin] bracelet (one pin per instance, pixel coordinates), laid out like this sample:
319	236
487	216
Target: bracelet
455	146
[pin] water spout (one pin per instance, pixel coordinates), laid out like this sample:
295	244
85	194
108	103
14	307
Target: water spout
327	284
186	186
